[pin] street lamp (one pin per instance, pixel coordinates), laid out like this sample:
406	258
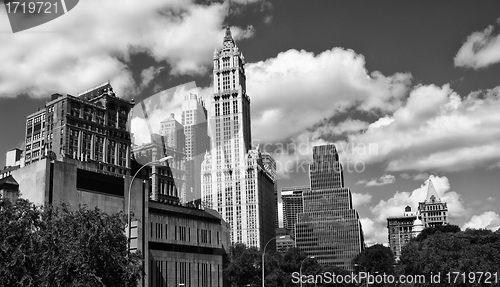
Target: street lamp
264	253
302	263
364	268
163	159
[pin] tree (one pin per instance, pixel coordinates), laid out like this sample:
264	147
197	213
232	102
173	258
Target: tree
244	265
281	269
59	247
376	258
468	251
19	243
449	228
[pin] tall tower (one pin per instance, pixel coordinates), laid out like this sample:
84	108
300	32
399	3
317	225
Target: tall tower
433	211
329	228
173	133
236	180
194	120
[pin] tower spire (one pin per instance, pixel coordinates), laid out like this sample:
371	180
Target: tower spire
432	195
228	37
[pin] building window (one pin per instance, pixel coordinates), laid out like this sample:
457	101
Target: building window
225	81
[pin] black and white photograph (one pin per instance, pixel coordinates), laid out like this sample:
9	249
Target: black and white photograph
249	143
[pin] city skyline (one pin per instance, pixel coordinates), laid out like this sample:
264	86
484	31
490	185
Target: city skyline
423	93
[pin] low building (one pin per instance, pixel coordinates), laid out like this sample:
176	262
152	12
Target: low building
433	211
284	240
402	229
181	245
9	188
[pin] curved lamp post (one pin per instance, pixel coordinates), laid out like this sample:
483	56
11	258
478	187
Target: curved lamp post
264	253
364	268
163	159
301	264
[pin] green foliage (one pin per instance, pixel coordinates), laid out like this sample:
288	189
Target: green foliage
59	247
464	251
376	258
244	268
439	228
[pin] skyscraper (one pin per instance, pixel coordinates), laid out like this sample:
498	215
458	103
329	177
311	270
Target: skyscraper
236	180
291	198
432	210
329	228
194	120
173	133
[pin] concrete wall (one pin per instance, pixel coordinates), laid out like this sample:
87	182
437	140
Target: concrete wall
32	181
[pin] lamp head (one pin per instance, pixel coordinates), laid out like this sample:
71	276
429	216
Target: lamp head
163	159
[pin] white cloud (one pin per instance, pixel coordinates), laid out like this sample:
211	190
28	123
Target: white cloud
359	199
435	130
480	50
374	233
296	90
158	108
488	220
396	204
147	75
383	180
89	46
375	227
417	177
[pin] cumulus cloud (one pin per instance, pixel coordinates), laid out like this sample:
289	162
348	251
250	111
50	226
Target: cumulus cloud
396	204
383	180
375	227
296	90
435	130
359	199
417	177
158	108
488	220
480	50
373	233
89	46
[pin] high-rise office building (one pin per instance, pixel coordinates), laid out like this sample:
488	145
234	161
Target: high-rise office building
291	198
168	179
329	228
91	127
236	180
432	210
173	133
401	229
194	120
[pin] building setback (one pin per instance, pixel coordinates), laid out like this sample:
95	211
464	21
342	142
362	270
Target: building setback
329	228
235	179
291	198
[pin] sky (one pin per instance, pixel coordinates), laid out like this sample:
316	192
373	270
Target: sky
408	91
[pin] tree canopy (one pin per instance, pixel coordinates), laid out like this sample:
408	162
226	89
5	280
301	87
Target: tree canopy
282	270
47	246
467	252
